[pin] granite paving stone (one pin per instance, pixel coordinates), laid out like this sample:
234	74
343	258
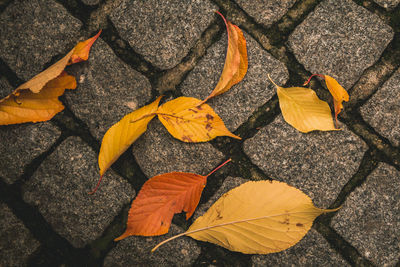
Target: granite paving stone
236	105
312	250
382	110
20	144
32	32
108	90
341	39
163	31
135	251
5	87
157	152
388	4
318	163
91	2
16	242
370	217
266	11
60	186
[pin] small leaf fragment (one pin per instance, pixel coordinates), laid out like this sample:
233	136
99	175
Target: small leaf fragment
27	106
188	121
257	217
160	198
302	109
236	63
338	93
121	135
82	49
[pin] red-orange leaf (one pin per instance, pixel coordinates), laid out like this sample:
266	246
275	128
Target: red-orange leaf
82	49
160	198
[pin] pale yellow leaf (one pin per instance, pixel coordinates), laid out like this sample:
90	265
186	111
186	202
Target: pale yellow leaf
257	218
188	121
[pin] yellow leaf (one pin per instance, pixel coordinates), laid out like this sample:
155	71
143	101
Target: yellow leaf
256	218
338	93
122	134
235	67
302	109
188	121
27	106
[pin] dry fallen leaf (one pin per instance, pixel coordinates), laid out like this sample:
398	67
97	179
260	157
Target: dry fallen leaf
37	83
188	121
256	218
160	198
235	67
121	135
302	109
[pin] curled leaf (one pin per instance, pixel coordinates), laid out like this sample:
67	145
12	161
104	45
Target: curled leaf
160	198
338	93
302	109
235	66
121	135
256	218
82	49
188	121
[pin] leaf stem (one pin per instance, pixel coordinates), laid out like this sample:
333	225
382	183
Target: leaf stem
97	186
309	79
272	81
220	166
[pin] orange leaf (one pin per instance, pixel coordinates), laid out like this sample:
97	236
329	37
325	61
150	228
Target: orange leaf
338	93
188	121
160	198
235	67
82	49
30	107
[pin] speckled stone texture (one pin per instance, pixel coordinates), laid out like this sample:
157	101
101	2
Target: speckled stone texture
5	87
60	189
16	242
163	31
32	32
388	4
20	144
135	251
91	2
340	39
158	152
266	11
318	163
108	90
382	110
312	250
370	217
236	105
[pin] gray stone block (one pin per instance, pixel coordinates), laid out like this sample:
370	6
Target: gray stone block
157	152
312	250
108	90
236	105
340	39
388	4
382	110
91	2
370	217
266	11
60	189
135	251
16	242
163	31
32	32
5	88
20	144
318	163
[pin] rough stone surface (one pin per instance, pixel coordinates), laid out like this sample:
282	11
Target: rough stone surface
158	152
383	109
388	4
319	163
20	144
163	31
60	189
312	250
341	39
108	90
5	87
370	217
16	242
135	251
32	32
266	11
236	105
91	2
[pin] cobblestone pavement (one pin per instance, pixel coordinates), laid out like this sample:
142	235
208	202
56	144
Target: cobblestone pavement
175	48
